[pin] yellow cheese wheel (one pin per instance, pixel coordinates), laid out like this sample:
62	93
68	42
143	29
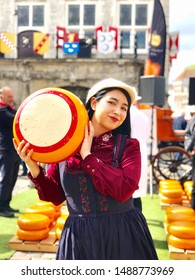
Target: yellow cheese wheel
169	200
180	209
32	235
169	182
58	232
170	187
30	221
52	121
46	210
172	193
182	229
181	243
61	221
188	184
174	217
57	214
48	203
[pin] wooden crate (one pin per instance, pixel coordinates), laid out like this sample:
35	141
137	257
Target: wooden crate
180	254
185	202
49	244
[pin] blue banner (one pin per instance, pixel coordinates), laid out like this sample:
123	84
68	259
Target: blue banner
155	61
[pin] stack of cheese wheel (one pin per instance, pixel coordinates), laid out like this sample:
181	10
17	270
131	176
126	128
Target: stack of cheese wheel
60	223
57	208
188	186
33	227
180	222
47	210
170	192
179	213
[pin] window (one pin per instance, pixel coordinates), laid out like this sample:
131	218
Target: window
89	15
141	15
125	14
133	19
38	15
74	15
125	39
30	15
23	15
81	17
141	39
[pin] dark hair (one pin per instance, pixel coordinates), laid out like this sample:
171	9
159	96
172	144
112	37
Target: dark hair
125	127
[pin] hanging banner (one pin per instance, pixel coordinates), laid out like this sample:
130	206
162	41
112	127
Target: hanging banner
71	43
107	42
41	42
173	45
155	61
7	43
61	33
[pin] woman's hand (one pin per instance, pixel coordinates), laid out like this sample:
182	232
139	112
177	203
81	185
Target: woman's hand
85	149
25	154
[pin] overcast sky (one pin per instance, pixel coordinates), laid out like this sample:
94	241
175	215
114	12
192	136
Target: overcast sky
182	19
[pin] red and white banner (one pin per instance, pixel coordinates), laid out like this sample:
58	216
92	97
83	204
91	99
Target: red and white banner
107	41
173	45
61	35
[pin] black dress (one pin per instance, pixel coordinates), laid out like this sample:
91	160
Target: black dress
99	227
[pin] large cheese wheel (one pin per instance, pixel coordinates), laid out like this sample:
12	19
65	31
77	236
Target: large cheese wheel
52	121
169	200
48	203
33	221
32	235
188	184
169	182
181	243
182	229
180	209
172	193
170	187
45	210
173	217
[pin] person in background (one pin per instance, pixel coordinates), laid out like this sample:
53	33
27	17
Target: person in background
179	125
24	169
140	129
97	184
189	145
9	159
179	122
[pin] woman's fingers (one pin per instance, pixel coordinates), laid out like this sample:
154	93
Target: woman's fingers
23	149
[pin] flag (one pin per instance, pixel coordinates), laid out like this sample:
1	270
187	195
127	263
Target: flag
41	42
107	41
71	43
155	60
173	45
61	34
7	43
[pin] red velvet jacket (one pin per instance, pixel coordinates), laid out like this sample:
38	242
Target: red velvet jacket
119	183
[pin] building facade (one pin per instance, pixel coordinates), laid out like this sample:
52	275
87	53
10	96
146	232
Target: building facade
112	36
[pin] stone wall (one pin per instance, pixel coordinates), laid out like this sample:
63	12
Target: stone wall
78	75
